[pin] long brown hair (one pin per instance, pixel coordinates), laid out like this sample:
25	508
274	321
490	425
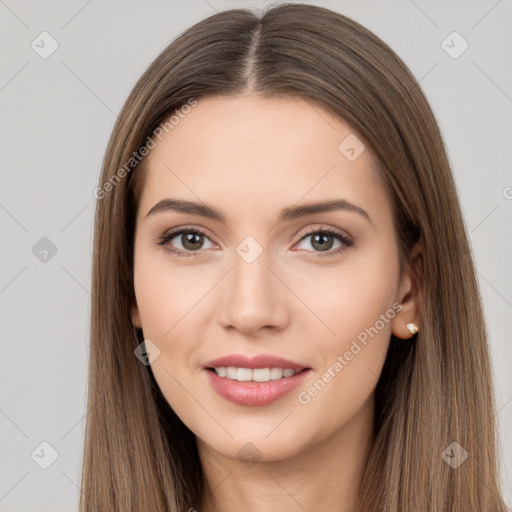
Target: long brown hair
434	390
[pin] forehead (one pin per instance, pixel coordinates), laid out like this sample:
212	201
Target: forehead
257	153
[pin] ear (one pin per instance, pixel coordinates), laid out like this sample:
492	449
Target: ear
409	296
136	316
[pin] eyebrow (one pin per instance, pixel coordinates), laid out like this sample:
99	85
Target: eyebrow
286	214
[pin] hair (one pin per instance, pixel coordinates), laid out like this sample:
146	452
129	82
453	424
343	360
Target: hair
434	389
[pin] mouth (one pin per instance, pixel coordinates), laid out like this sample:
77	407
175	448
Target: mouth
254	386
254	380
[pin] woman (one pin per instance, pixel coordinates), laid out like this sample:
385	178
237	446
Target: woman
285	313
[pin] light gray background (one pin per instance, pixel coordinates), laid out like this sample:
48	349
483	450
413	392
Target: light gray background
57	114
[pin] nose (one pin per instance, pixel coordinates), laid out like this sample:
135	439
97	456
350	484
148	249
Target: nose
253	298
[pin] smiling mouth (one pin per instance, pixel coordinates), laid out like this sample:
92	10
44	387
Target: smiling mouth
254	374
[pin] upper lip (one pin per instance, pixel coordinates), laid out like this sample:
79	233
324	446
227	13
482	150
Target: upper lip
259	361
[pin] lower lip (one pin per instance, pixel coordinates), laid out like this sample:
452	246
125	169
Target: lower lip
254	393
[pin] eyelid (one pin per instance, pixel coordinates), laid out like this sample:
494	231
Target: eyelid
188	227
326	227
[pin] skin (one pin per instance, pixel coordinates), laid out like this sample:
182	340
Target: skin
249	157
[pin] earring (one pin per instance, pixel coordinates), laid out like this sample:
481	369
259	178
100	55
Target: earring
413	329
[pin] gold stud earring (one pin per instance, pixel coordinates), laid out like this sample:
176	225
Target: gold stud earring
413	329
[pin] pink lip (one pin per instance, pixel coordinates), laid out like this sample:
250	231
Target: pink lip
259	361
254	393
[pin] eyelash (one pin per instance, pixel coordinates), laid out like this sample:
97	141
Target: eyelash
166	238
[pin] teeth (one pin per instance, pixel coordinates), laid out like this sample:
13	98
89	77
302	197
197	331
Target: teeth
276	373
243	374
256	375
261	374
231	372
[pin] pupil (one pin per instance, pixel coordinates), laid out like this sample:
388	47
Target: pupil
189	240
322	246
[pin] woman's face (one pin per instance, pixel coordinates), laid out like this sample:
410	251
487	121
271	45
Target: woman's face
254	274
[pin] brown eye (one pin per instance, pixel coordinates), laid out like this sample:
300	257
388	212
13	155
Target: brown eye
191	241
323	240
184	242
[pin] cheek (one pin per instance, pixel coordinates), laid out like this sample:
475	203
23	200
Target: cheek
354	302
172	303
166	292
349	297
169	307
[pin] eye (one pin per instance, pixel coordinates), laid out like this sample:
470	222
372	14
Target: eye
322	241
187	241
